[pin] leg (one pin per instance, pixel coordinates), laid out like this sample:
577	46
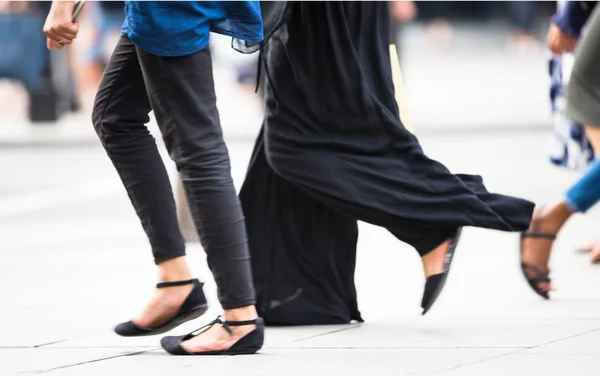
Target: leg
303	253
549	220
120	114
181	91
436	245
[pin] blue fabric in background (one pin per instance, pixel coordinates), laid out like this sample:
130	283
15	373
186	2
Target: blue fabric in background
23	53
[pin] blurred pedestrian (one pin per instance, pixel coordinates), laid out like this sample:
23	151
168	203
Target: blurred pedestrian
524	17
161	63
583	106
402	12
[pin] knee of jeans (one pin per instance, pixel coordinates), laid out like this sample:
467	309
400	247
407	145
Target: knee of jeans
98	117
100	121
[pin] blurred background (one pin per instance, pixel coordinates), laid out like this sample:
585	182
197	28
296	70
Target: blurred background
480	64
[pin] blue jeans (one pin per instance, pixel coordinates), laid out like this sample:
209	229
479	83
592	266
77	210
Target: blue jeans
105	21
586	192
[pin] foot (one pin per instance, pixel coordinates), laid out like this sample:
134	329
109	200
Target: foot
166	301
434	261
436	265
163	306
217	338
535	250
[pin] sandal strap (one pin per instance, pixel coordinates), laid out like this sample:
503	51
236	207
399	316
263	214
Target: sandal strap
535	234
204	328
539	278
176	283
241	323
228	324
225	324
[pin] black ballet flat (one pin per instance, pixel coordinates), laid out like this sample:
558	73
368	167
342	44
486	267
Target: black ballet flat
249	344
193	307
539	276
435	284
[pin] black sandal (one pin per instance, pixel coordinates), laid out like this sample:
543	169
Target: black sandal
435	283
249	344
539	275
193	307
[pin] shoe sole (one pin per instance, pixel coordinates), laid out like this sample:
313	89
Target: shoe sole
175	322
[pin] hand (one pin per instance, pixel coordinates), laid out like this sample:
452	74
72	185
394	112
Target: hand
560	42
403	11
60	29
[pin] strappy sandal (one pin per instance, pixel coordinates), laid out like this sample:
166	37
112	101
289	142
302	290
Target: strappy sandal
435	283
248	344
193	307
539	275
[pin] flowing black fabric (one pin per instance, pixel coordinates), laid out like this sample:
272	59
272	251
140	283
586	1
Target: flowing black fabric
333	151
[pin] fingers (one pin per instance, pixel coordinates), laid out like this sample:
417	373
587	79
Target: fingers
62	34
52	44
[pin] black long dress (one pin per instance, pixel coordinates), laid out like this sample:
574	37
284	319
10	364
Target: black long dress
332	151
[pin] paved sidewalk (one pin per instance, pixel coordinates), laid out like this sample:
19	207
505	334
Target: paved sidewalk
75	262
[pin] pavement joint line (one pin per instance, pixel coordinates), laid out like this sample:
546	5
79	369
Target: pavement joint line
321	348
85	347
485	359
76	364
564	339
344	328
57	341
521	351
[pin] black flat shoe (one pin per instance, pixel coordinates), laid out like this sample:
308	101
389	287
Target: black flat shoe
538	275
249	344
435	283
193	307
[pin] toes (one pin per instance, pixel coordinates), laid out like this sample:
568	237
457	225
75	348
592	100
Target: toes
545	286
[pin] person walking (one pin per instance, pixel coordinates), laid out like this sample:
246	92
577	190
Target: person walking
161	63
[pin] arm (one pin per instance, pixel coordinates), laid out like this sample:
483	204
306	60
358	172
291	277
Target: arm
573	17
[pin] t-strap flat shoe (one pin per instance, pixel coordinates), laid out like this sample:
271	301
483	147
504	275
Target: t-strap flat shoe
435	283
248	344
538	276
193	307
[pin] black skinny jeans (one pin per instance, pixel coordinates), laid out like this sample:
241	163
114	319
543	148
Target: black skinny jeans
180	90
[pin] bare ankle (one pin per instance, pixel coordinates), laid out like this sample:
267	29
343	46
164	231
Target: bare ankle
240	314
433	261
174	270
553	217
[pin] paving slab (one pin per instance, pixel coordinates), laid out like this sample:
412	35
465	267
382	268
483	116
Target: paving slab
457	333
533	364
33	361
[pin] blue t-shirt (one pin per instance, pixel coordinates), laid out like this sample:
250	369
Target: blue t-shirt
179	28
